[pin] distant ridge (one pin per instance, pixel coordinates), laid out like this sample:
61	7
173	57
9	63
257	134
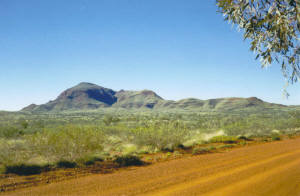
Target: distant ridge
88	96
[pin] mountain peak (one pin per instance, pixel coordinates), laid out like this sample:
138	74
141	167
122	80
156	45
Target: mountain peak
85	85
254	99
148	93
85	91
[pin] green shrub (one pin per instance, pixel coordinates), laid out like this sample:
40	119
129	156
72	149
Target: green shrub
91	160
212	148
23	169
128	160
14	152
67	143
161	135
168	148
245	138
66	164
10	132
276	138
224	139
187	145
24	123
108	120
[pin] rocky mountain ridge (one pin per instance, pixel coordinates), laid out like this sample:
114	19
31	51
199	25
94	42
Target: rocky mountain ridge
88	96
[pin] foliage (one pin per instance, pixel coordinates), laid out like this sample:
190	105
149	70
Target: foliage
23	123
128	160
91	160
10	132
66	164
109	119
245	138
224	139
273	26
67	143
276	137
161	135
13	152
25	170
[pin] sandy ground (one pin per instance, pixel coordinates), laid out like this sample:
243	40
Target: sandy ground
267	169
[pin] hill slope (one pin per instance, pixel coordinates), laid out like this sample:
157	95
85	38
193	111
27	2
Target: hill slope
137	99
86	96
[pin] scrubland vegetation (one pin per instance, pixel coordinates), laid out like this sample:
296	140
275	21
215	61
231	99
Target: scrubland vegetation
32	143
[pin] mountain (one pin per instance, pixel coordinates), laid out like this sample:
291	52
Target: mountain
87	96
91	96
231	103
82	96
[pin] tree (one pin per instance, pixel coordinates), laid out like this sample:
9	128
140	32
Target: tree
24	123
108	120
273	28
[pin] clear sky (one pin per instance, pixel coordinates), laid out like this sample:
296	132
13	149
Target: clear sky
176	48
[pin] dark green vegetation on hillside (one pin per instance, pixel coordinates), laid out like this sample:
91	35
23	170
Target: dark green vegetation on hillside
87	96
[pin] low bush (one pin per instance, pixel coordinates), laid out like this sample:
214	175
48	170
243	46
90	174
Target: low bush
164	136
25	170
212	148
167	148
128	160
224	139
244	138
68	143
276	138
14	152
10	132
91	160
66	164
183	147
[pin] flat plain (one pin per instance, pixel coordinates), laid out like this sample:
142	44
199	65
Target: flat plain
264	169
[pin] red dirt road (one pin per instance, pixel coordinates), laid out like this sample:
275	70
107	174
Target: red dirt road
266	169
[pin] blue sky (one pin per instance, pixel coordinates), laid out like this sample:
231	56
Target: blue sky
177	48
